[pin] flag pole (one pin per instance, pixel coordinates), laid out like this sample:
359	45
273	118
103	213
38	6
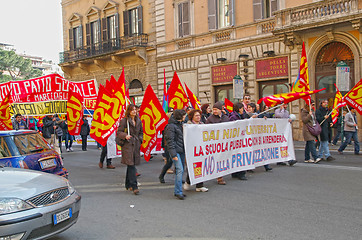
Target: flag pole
270	109
329	114
352	117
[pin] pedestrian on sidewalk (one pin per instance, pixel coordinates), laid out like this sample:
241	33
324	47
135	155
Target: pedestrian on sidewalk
322	116
350	131
175	147
282	112
103	156
308	118
84	132
130	132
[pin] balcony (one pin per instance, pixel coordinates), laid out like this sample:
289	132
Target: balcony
316	14
104	47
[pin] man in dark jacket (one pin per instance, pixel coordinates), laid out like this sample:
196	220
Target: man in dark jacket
322	116
218	117
19	123
175	147
84	132
49	127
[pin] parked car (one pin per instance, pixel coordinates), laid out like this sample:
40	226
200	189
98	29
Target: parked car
28	149
35	205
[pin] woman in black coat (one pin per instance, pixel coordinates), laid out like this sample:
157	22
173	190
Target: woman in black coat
84	132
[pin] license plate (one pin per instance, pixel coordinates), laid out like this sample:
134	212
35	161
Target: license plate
48	163
62	216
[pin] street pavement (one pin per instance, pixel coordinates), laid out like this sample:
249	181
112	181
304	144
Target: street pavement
307	201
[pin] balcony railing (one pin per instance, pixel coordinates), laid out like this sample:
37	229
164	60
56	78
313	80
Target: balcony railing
318	11
104	47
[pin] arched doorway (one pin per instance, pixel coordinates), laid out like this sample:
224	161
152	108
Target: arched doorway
325	69
136	91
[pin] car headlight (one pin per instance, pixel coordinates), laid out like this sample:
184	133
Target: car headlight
11	205
71	189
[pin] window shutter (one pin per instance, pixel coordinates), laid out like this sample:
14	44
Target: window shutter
88	33
232	12
126	23
81	35
104	29
212	17
116	18
273	6
71	42
258	9
186	18
179	11
140	19
99	30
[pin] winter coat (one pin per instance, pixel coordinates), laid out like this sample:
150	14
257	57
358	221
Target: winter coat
320	113
131	149
33	124
235	116
16	124
48	129
349	123
204	117
267	115
174	137
217	119
84	129
307	119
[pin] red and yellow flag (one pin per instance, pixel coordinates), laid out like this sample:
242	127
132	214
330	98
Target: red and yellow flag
229	105
154	119
193	99
177	98
338	102
276	99
302	83
5	120
75	112
354	97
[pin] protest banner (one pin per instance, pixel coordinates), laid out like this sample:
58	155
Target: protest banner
215	150
39	108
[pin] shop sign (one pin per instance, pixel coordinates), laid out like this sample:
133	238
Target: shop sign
223	74
272	68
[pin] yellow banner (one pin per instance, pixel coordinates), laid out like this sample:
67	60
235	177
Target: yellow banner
39	108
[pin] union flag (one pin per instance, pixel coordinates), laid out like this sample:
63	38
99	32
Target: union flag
302	82
154	119
229	105
193	99
354	97
338	102
5	120
177	98
75	112
277	99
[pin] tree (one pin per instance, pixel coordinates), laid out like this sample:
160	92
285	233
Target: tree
18	67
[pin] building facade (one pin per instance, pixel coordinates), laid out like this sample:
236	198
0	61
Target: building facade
102	37
208	42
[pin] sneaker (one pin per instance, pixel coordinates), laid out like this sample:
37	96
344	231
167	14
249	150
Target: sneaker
330	158
180	197
281	163
202	189
309	161
170	171
71	149
68	150
187	186
292	162
318	160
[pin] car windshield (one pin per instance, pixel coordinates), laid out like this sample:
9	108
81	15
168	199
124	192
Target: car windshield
5	147
30	143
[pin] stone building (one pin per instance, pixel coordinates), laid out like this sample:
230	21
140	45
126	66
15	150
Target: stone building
208	42
101	37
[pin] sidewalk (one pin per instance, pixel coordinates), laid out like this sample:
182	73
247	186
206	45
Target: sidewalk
300	145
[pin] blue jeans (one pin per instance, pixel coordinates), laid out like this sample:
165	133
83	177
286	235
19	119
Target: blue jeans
69	138
323	148
349	136
310	148
179	165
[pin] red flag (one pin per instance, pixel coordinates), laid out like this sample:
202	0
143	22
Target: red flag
338	102
302	83
229	105
153	118
276	99
75	111
5	120
177	98
193	99
354	97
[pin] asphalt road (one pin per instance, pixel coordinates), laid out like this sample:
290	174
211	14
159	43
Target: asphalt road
307	201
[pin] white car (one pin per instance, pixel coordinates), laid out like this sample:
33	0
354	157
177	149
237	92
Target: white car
35	205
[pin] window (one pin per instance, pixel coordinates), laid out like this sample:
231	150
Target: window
95	32
110	27
264	8
183	19
221	13
76	37
133	21
30	143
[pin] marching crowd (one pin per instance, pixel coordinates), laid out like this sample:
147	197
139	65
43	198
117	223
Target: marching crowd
130	136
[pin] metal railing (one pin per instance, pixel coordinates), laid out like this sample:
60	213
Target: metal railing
108	46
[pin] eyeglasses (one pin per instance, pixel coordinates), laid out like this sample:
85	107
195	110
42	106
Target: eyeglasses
247	98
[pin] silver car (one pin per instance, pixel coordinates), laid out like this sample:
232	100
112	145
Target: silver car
35	205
